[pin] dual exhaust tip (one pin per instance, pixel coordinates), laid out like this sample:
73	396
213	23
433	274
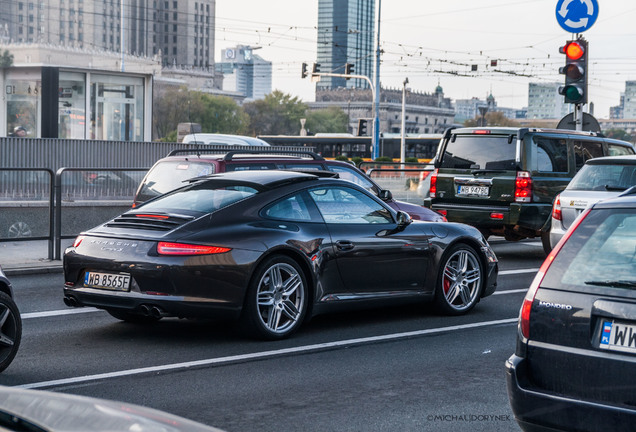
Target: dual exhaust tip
145	309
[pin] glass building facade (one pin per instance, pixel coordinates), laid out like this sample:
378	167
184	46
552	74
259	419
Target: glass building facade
346	31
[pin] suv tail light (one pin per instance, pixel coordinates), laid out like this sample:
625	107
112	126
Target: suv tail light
526	307
433	188
523	187
556	209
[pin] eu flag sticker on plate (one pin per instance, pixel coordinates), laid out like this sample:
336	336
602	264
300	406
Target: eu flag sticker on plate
605	335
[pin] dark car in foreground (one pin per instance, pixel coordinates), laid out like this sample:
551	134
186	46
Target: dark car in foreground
575	361
10	323
273	248
43	411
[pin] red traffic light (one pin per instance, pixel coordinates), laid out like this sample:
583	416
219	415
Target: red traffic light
573	50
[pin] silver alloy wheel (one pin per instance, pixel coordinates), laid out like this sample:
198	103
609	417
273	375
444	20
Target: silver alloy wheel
280	298
461	279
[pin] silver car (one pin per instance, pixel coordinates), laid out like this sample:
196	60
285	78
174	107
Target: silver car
599	179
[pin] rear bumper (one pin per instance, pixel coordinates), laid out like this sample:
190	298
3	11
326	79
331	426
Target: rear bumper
535	410
531	216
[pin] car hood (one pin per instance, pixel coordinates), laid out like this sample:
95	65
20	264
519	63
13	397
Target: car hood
62	412
418	212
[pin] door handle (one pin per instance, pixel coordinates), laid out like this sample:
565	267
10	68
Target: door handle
344	245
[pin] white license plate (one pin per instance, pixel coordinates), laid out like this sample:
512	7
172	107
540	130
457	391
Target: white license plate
111	281
617	336
472	190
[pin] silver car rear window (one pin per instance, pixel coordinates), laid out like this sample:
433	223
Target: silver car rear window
604	177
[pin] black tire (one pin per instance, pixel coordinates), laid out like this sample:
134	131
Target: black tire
10	330
545	241
277	299
460	280
132	317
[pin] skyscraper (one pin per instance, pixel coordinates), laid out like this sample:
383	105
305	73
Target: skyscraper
182	30
345	35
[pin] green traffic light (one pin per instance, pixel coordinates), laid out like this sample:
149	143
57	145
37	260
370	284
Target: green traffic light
573	94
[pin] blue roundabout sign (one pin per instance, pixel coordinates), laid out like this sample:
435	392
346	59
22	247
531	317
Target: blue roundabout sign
576	16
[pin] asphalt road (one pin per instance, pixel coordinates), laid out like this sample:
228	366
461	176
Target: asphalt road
404	368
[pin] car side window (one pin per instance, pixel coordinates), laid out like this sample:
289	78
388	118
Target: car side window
291	208
584	150
618	150
550	154
339	205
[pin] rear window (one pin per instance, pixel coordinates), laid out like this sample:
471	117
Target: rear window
601	252
203	198
168	176
604	177
488	152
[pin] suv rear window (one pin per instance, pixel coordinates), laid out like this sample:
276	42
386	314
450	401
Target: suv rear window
604	177
168	176
599	253
494	152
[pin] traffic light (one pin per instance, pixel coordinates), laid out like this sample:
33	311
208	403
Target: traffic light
348	69
316	68
362	127
304	72
575	71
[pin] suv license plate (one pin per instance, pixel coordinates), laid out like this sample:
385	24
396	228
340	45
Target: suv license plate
110	281
617	336
472	190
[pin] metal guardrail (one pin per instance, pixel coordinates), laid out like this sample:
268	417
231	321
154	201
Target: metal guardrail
92	189
6	186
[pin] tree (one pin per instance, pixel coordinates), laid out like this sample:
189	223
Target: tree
495	118
277	114
620	134
215	114
329	120
6	59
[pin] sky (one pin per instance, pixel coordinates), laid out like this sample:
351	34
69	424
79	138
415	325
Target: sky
431	42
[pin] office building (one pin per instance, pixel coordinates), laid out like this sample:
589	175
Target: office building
245	72
545	102
182	31
346	31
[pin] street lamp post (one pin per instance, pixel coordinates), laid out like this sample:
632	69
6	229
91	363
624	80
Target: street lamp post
403	129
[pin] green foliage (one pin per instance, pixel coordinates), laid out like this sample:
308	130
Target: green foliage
383	159
215	114
329	120
620	134
6	59
411	160
357	160
342	158
277	114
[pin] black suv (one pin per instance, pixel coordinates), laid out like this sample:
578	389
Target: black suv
503	180
180	166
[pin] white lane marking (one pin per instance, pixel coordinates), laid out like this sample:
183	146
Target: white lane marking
58	312
264	354
518	271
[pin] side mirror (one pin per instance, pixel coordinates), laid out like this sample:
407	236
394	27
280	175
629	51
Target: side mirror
385	195
403	219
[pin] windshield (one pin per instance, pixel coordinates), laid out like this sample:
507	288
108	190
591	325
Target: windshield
485	152
204	198
167	176
601	252
604	177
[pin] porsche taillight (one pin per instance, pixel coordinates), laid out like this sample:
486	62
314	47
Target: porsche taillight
167	248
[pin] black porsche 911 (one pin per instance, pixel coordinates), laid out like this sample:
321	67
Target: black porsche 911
272	248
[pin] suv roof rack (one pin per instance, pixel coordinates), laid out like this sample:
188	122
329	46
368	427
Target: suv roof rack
231	152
